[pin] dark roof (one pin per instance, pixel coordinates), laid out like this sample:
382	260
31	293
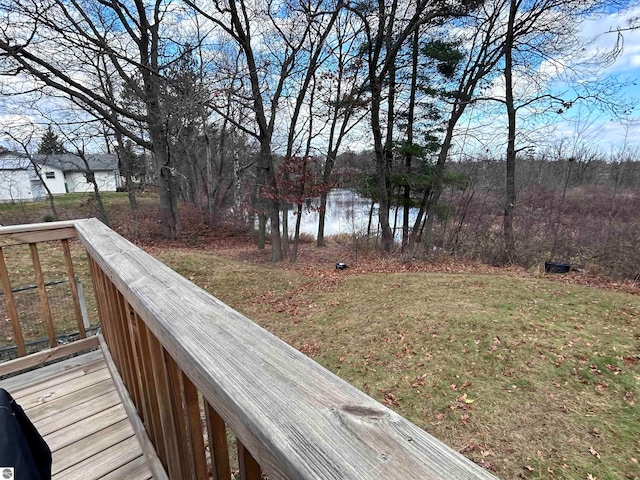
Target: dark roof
14	162
68	162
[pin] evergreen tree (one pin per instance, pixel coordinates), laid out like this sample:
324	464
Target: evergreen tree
50	143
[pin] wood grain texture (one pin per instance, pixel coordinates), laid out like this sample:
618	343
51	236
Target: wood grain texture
70	403
296	418
136	469
218	446
84	427
103	463
194	422
153	462
62	389
73	286
42	291
40	358
153	423
52	380
84	410
249	468
11	306
11	238
76	431
90	445
21	381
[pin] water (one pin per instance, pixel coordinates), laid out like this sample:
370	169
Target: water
347	212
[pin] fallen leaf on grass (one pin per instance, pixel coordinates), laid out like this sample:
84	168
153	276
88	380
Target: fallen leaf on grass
487	465
464	399
390	400
593	452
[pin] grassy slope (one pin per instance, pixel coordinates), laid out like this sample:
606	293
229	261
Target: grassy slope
526	376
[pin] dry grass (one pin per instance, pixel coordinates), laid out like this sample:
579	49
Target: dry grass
529	377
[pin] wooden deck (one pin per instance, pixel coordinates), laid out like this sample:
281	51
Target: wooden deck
76	408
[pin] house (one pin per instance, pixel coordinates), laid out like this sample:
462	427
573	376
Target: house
24	179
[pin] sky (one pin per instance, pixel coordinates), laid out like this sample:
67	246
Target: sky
599	128
583	125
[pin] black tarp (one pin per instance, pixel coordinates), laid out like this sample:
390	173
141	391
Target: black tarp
21	446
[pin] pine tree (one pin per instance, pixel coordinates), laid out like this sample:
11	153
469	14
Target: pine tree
50	143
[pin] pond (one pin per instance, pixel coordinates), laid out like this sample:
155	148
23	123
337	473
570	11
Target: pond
347	212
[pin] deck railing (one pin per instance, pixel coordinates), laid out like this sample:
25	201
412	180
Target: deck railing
32	235
185	357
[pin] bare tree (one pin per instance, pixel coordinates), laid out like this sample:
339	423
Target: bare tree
54	47
269	74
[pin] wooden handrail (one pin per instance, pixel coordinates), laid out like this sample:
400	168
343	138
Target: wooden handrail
291	415
36	232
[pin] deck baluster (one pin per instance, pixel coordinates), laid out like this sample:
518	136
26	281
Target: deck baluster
11	307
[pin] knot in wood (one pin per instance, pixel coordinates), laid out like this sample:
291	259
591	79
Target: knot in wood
362	411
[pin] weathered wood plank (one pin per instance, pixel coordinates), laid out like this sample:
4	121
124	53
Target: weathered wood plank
76	431
90	445
69	403
136	469
218	446
144	443
249	468
11	306
153	423
297	419
79	426
54	422
16	383
40	358
8	238
99	465
51	392
53	380
183	453
42	291
194	422
73	286
171	462
37	227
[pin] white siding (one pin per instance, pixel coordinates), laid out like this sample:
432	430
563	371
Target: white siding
56	184
15	186
76	182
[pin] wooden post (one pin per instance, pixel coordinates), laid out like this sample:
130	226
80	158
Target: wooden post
218	446
132	323
73	286
249	468
184	452
167	419
44	301
153	423
194	422
11	306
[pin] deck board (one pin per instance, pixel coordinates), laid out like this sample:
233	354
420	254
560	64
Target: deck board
76	408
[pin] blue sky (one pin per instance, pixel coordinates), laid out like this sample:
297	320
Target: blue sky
598	128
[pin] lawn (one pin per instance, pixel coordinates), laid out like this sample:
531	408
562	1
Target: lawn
529	376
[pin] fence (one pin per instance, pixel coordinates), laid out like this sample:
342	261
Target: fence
27	304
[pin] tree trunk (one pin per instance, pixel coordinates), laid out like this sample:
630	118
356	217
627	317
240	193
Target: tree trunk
166	184
408	156
510	200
